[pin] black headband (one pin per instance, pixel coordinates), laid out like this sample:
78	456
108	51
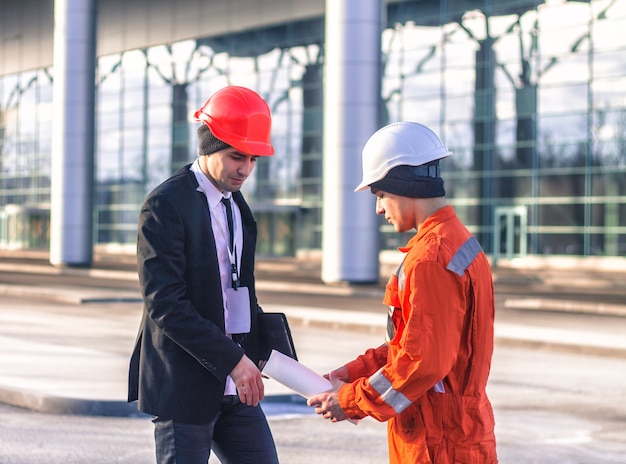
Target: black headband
413	181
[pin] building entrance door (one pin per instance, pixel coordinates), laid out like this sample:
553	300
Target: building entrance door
24	227
510	232
276	232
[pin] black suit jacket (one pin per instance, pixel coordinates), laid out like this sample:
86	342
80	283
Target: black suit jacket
182	356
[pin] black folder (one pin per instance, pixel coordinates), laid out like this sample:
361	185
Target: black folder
274	334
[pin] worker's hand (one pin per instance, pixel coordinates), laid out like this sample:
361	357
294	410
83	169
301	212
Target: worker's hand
327	405
247	378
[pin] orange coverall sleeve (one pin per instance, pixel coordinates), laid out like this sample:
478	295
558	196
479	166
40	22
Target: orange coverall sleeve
367	363
421	353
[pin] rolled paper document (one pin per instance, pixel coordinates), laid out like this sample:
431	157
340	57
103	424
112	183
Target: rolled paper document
295	376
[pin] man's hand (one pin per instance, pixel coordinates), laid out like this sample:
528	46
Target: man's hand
247	378
327	404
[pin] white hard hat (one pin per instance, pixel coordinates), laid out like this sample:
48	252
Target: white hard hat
401	143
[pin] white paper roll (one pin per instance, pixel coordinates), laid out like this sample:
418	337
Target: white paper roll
295	376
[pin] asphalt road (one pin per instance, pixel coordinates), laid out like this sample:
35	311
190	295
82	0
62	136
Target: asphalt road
553	403
550	407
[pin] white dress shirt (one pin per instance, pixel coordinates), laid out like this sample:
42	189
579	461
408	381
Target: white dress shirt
222	238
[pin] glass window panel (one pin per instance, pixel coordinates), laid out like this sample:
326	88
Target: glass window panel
601	244
420	109
563	214
560	244
159	93
608	92
132	165
571	69
468	214
609	64
562	140
561	26
460	50
572	185
611	183
611	25
427	86
514	186
460	82
132	138
460	186
459	108
563	98
505	139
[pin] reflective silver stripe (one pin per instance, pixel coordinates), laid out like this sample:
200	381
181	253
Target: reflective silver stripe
400	275
392	397
464	256
391	330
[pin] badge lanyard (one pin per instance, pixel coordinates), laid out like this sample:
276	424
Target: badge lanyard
232	254
238	314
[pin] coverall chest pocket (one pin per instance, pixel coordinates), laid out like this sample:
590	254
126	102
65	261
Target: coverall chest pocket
394	318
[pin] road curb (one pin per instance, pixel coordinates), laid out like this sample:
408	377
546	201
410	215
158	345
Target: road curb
544	304
86	296
50	404
41	402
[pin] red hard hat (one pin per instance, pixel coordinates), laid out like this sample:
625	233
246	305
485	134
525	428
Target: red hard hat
241	118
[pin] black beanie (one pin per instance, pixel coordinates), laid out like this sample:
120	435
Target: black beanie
413	181
207	142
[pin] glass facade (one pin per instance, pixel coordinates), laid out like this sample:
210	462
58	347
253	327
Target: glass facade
529	96
146	99
532	103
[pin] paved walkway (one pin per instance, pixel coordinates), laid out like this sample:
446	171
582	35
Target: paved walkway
65	347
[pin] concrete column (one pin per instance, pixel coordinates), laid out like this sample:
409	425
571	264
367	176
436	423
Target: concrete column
72	198
352	76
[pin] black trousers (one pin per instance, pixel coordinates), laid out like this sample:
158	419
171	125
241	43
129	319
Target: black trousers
239	434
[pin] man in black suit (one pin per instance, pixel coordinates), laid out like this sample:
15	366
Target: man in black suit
192	367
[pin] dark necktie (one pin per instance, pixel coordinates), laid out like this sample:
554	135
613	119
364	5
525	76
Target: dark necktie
231	233
229	219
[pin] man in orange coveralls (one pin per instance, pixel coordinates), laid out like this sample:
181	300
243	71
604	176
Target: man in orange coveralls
428	380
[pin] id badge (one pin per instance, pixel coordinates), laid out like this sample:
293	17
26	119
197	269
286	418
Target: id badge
238	314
